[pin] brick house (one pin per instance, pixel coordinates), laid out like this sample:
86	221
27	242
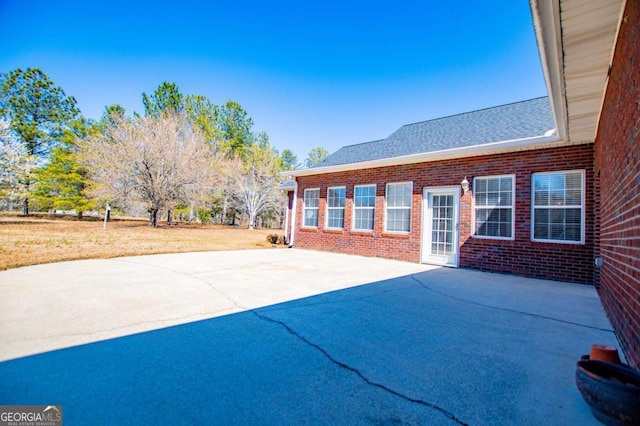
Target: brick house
545	188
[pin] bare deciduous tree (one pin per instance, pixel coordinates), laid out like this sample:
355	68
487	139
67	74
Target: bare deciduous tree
16	165
158	159
255	181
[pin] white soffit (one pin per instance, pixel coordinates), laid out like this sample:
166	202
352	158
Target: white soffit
589	31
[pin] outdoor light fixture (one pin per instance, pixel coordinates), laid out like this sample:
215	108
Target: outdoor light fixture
465	185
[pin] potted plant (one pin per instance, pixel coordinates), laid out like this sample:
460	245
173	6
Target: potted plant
612	391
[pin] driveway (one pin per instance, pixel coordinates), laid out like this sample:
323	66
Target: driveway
293	337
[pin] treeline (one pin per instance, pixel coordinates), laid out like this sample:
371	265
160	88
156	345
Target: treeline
183	156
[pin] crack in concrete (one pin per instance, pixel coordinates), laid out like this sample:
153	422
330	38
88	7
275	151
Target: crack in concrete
236	305
208	271
357	372
471	302
195	277
105	330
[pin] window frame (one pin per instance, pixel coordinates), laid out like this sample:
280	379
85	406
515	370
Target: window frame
328	208
356	208
305	208
512	207
582	207
387	208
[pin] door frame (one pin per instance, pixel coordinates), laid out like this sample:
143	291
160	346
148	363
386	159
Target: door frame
426	223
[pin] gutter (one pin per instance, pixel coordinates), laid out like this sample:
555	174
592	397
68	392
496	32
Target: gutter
548	140
548	30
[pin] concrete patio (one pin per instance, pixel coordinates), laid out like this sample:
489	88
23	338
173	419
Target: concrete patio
293	337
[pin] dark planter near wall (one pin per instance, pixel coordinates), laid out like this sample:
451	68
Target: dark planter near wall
611	390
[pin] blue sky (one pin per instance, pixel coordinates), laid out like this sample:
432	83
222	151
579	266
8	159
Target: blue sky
309	73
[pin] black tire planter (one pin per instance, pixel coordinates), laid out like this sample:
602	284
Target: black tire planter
611	390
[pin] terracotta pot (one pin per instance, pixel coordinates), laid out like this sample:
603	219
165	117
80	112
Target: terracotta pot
604	353
611	390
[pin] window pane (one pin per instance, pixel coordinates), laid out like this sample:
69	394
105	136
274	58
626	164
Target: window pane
406	192
557	197
335	218
335	207
541	216
493	185
505	184
541	182
365	196
573	180
311	197
557	232
556	181
541	232
492	229
311	201
541	198
574	197
556	216
494	206
558	222
399	194
311	217
398	199
364	219
573	233
398	220
573	216
506	198
335	197
494	215
364	202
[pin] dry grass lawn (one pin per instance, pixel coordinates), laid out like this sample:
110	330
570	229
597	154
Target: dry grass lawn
35	240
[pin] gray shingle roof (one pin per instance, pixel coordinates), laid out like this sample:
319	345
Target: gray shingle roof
503	123
287	186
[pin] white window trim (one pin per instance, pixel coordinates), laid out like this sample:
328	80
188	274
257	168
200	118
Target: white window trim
386	208
305	208
513	209
335	208
582	208
353	218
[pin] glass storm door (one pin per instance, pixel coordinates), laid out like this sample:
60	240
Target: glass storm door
440	237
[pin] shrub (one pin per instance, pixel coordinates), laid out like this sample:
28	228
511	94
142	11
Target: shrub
272	238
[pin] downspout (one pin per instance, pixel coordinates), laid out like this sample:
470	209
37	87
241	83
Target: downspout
293	212
286	218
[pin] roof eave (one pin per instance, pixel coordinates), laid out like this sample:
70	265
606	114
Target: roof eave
546	21
576	40
548	140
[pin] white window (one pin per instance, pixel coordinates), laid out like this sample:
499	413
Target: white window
311	203
398	201
558	206
494	206
335	207
364	205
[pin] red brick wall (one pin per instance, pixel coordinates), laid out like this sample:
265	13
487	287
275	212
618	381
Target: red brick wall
566	262
617	155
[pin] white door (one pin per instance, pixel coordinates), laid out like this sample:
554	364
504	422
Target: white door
441	226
